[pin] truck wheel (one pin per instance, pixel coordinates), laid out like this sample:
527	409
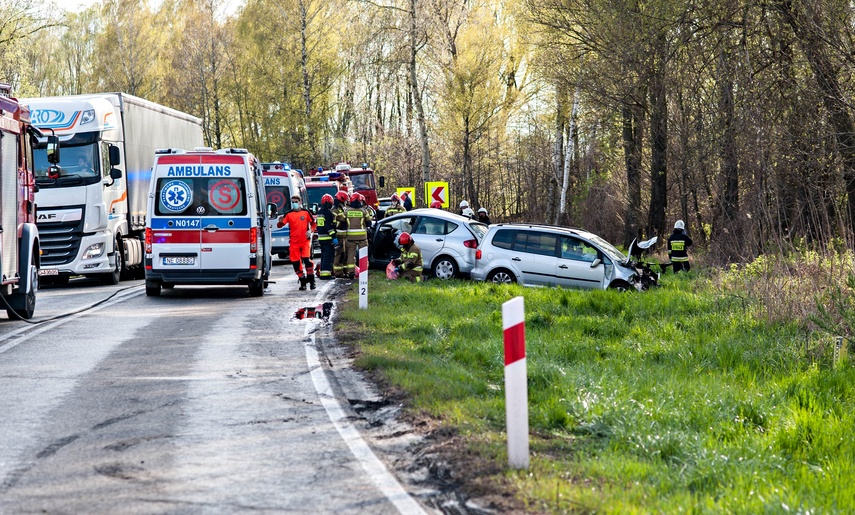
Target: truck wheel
115	276
152	288
256	288
24	304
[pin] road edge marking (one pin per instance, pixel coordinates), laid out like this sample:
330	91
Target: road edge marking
376	470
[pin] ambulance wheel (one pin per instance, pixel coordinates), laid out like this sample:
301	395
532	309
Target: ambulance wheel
115	276
152	288
256	288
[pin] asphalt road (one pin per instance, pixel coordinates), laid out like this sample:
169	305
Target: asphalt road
202	400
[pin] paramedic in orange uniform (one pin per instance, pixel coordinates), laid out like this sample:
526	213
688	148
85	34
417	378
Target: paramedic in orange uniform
301	223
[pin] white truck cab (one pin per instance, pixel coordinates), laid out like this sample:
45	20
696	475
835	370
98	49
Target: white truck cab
208	221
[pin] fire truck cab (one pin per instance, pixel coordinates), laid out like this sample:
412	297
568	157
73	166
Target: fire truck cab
19	238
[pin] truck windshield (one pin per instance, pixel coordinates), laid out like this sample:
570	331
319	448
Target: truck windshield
79	164
362	181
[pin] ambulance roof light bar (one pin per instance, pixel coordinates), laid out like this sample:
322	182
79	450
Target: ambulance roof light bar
233	151
170	151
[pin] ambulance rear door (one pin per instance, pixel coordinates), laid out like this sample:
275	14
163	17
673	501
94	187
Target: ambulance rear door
175	224
227	229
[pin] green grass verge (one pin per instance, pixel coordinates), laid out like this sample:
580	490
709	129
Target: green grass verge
673	400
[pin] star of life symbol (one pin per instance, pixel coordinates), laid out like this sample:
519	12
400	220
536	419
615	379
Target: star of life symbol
176	196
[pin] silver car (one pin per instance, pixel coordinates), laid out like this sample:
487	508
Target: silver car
555	256
447	240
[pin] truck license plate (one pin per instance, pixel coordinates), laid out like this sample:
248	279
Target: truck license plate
179	260
48	271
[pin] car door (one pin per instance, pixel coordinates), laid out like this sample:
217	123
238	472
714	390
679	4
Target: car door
535	256
383	248
574	264
226	223
429	234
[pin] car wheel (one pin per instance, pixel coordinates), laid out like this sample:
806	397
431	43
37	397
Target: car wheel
445	268
502	276
152	288
256	288
620	286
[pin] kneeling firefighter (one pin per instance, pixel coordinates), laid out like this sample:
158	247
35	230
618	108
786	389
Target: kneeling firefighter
409	264
301	223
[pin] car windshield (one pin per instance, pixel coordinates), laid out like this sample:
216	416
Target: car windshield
608	248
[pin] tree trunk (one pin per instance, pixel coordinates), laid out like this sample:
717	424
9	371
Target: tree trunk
632	160
557	150
417	97
659	150
569	152
817	49
730	164
307	79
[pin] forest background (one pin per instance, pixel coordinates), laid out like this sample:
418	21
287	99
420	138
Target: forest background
616	116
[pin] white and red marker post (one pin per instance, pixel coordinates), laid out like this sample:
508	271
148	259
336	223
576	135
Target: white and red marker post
363	277
516	382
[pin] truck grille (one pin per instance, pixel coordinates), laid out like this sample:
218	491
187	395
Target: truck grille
60	242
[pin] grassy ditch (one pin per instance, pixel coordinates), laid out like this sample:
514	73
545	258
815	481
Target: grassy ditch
678	399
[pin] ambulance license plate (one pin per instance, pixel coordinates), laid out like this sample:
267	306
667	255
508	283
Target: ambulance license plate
190	260
48	271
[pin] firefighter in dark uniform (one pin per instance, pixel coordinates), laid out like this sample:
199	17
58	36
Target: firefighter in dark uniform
678	246
326	236
358	220
340	254
409	265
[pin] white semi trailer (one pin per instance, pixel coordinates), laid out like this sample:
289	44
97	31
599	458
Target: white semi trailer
91	209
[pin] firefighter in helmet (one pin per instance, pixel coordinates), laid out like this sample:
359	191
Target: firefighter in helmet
436	204
396	206
326	236
358	219
678	246
301	223
409	265
465	210
340	255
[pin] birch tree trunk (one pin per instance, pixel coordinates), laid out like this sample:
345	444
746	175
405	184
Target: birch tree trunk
569	152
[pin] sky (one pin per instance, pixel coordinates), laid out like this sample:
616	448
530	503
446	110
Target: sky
230	6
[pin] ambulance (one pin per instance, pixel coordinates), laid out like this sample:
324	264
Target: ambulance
208	221
280	184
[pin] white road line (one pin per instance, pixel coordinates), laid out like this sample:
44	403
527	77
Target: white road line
120	297
377	471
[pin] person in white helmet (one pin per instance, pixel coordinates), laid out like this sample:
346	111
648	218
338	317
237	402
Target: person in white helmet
483	217
678	246
465	210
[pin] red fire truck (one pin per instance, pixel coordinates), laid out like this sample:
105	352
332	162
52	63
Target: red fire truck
19	238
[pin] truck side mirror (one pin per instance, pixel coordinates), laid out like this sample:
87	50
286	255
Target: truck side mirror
115	156
115	173
382	181
271	210
53	149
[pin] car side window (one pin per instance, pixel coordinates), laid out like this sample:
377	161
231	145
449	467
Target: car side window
504	239
539	243
430	226
402	224
577	250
